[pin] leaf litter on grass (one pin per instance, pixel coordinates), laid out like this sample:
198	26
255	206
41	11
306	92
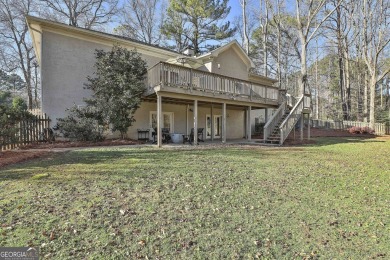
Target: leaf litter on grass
233	202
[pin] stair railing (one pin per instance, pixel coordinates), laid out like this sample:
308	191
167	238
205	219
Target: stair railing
291	120
274	120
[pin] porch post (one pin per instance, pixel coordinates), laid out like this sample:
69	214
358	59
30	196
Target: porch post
195	122
224	123
187	108
212	122
266	115
308	127
302	120
248	124
159	121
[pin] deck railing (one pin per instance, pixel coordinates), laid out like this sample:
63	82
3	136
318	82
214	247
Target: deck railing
274	120
291	120
170	75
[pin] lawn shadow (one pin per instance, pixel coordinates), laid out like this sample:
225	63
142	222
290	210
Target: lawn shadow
108	155
325	141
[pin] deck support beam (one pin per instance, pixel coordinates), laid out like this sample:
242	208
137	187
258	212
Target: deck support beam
195	122
159	120
212	122
308	127
224	123
248	124
302	121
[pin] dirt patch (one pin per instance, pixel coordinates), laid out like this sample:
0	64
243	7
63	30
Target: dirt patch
319	132
17	156
69	144
29	152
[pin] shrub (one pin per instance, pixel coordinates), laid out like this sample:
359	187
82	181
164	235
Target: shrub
354	130
367	130
80	125
11	113
361	130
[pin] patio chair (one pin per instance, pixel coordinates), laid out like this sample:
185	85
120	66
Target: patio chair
190	138
166	137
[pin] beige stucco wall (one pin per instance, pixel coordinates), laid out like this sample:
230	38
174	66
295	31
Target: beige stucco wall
231	65
66	62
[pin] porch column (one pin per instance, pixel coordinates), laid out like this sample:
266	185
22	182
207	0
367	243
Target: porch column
248	124
302	120
187	109
224	123
266	115
195	122
308	127
212	122
159	120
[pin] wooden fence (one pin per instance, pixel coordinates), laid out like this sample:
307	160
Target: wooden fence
32	130
380	128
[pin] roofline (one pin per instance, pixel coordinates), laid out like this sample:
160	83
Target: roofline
103	35
252	65
263	77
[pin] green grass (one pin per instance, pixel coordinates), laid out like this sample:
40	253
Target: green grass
330	200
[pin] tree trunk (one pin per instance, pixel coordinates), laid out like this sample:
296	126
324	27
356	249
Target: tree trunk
317	87
279	52
347	82
244	24
303	76
372	99
365	98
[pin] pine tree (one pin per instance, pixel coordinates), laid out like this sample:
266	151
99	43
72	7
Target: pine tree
196	22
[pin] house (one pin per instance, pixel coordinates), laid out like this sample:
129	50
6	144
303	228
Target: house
215	91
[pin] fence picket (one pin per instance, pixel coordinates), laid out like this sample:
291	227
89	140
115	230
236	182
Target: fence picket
380	128
28	132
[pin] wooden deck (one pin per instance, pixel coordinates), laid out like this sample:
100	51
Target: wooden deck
180	80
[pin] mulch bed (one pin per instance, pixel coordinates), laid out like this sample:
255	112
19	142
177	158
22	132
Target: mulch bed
12	157
31	151
67	144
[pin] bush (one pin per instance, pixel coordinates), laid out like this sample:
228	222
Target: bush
11	113
354	130
80	125
361	130
367	130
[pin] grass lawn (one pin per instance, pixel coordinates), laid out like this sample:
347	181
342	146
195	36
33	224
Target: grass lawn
328	200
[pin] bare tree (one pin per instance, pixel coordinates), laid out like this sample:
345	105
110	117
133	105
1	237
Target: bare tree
376	38
17	53
308	23
142	20
264	23
243	4
339	28
82	13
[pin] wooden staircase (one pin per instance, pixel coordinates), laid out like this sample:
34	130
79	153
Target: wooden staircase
279	126
274	137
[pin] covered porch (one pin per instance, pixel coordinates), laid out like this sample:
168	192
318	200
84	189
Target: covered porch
218	121
198	100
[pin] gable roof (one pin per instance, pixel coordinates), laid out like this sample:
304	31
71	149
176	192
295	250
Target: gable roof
235	46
